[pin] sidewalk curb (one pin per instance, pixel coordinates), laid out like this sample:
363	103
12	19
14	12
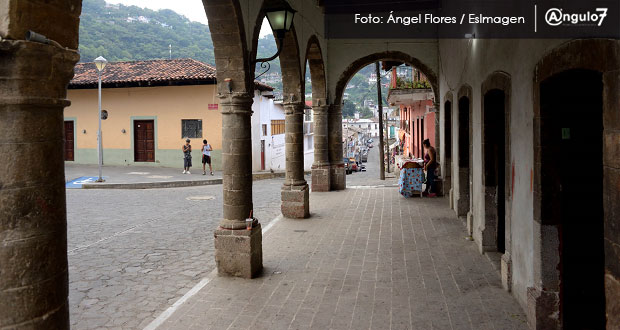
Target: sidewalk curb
176	184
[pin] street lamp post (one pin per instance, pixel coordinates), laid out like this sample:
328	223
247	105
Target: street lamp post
100	63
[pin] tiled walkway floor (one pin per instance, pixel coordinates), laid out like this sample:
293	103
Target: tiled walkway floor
366	259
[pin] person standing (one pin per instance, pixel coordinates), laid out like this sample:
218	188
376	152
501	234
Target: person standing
206	157
187	156
430	164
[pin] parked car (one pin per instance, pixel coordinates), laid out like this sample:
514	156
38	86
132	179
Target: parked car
370	141
353	163
365	156
363	166
347	166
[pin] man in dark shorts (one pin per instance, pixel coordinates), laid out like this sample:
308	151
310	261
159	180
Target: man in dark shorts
206	157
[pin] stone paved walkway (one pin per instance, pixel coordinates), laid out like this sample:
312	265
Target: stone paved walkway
366	259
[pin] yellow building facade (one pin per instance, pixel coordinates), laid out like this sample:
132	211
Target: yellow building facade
165	106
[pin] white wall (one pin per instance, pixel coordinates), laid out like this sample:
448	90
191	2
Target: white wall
473	61
265	110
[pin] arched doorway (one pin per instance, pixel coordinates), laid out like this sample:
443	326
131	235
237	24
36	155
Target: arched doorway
571	198
576	212
495	229
463	201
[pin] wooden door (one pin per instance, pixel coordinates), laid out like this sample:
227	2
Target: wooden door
144	140
262	155
69	142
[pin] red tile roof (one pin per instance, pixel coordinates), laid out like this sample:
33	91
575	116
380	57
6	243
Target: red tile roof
148	73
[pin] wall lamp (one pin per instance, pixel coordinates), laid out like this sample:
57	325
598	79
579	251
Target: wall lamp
280	19
37	37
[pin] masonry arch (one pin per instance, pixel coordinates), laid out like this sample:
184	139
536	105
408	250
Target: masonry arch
229	46
314	58
321	180
576	272
398	56
464	154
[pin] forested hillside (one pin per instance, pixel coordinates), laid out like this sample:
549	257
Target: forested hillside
129	33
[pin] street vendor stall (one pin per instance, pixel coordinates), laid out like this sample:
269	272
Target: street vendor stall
411	176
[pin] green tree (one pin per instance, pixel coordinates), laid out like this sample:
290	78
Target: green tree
348	109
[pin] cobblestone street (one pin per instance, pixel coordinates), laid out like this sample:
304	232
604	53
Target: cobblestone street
133	253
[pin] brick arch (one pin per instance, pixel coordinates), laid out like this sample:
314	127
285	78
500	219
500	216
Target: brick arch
229	45
357	65
603	56
314	58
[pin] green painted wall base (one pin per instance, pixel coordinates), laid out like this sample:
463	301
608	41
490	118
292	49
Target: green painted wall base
163	157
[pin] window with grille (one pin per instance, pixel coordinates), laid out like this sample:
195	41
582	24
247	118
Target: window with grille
191	128
264	126
277	127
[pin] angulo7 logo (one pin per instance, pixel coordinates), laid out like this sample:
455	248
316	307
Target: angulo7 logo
557	16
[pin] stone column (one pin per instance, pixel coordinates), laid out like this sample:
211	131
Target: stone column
320	167
33	216
295	191
338	180
238	251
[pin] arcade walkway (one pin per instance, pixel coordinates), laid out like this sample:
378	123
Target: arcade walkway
366	258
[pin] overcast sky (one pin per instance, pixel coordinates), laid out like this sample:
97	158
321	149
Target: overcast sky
192	9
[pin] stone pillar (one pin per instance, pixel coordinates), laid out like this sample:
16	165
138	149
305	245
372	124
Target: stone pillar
33	221
238	251
320	167
338	180
295	191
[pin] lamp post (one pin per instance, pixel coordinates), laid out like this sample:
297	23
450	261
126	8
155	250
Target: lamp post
100	63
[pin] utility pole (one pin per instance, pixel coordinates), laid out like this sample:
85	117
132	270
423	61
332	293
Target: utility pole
387	145
170	50
380	104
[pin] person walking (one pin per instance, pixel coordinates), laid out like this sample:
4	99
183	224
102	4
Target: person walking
206	157
430	164
187	156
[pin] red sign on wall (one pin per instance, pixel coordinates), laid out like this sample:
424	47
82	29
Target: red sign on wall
213	106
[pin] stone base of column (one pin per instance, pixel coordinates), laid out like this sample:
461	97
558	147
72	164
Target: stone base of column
543	309
506	271
470	223
320	178
239	252
296	201
612	297
338	180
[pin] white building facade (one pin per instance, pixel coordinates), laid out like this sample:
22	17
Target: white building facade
268	134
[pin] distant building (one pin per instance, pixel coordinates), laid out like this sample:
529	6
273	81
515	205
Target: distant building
369	127
268	145
153	106
372	79
417	114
